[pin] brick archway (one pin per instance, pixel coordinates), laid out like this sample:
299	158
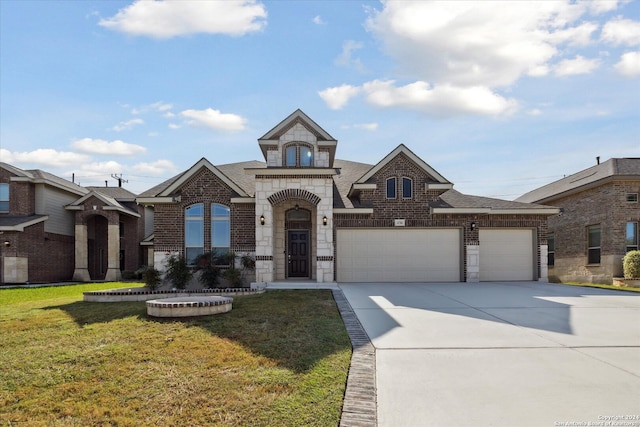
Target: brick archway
293	193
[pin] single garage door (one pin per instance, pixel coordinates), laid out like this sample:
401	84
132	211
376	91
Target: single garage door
398	255
506	254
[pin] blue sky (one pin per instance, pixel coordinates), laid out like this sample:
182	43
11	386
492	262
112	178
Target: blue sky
499	98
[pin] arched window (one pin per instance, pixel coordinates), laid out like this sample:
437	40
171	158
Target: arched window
298	155
193	232
220	229
407	188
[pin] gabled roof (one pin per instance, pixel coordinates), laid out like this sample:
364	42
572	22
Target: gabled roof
37	176
298	117
110	203
118	193
169	187
615	168
417	160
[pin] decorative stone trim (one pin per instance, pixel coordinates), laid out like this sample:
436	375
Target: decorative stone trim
189	306
264	257
324	258
144	294
293	193
296	175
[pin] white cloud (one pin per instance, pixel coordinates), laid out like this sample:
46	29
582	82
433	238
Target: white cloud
337	97
214	119
159	106
174	126
159	167
535	112
578	65
346	58
43	156
443	100
472	43
629	64
126	125
318	20
621	31
166	19
367	126
114	148
100	168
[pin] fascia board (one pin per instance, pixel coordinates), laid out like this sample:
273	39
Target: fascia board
243	200
154	200
432	186
119	209
195	168
353	211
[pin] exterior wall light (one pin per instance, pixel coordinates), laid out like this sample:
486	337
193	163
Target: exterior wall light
473	226
7	243
324	220
261	219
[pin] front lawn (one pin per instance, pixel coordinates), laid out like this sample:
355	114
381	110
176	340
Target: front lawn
277	359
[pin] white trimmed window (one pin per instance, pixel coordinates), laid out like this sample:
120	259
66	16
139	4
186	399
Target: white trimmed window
193	232
298	155
632	236
593	244
220	230
391	188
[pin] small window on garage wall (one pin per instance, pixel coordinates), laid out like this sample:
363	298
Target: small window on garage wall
593	244
391	188
4	197
632	236
551	244
407	188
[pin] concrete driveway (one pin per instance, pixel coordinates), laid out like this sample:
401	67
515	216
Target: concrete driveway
502	354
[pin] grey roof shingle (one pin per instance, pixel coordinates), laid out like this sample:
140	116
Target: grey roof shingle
615	167
455	199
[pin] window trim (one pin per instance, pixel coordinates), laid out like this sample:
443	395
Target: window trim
395	188
194	218
629	247
406	179
296	147
594	248
226	218
631	197
7	200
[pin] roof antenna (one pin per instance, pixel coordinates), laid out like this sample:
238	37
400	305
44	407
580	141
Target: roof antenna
118	178
598	160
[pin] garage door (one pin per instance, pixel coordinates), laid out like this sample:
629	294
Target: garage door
506	254
398	255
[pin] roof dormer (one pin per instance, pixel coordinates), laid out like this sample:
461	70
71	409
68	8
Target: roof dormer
298	142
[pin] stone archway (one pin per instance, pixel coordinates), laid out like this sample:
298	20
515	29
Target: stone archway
97	247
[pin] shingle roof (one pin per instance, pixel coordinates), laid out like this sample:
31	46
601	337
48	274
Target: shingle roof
455	199
117	193
612	168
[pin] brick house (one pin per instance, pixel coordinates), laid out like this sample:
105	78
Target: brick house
598	223
53	230
307	216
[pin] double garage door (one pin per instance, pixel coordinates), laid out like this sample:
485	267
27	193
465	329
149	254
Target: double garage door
430	255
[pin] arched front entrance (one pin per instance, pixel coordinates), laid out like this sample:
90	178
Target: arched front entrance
298	242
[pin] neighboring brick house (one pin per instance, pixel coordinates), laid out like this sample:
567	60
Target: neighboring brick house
307	216
53	230
598	223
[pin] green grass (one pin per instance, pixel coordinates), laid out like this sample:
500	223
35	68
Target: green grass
277	359
601	286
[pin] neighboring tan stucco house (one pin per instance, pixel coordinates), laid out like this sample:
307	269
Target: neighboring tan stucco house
52	230
309	217
598	223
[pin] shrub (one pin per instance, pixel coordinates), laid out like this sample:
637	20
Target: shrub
206	264
631	265
178	271
128	275
151	278
234	277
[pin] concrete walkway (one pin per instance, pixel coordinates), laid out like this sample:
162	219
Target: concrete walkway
501	354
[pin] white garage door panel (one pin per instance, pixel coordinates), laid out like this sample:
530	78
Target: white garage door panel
398	255
506	254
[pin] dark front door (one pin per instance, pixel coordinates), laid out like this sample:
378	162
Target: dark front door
298	253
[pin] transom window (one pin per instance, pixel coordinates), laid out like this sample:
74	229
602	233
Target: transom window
220	230
4	197
298	155
593	244
193	232
632	236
